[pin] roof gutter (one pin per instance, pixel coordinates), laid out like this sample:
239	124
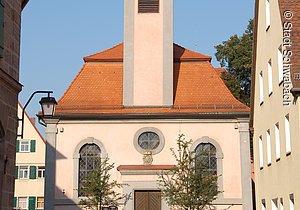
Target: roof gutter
93	116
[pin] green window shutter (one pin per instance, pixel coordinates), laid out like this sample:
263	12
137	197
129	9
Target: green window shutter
16	172
32	174
15	202
32	146
17	146
31	203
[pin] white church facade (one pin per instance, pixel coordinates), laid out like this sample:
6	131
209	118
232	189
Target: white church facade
137	97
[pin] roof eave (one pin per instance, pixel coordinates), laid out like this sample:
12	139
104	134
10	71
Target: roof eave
194	115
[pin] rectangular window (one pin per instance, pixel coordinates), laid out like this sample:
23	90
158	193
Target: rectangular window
41	172
23	172
261	87
287	134
269	157
270	76
40	203
274	204
292	202
268	14
24	146
22	203
148	6
263	204
277	141
280	64
261	152
281	204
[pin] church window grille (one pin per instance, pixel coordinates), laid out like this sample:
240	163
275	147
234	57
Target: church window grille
89	153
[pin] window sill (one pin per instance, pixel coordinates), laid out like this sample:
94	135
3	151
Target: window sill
288	154
261	103
280	83
268	28
269	164
261	168
278	159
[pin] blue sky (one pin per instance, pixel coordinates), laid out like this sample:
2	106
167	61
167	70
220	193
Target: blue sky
56	35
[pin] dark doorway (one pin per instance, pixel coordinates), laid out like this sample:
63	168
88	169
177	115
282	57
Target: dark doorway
147	200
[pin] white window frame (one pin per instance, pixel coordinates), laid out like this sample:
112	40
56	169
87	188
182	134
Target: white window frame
22	171
261	88
288	147
281	204
261	152
25	201
23	144
268	14
263	204
292	202
277	141
42	170
274	204
37	203
270	77
280	64
269	154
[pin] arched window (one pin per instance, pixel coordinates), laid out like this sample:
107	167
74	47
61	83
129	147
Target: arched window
89	154
207	154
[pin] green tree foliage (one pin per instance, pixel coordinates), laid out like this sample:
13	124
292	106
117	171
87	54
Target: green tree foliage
189	185
235	55
99	188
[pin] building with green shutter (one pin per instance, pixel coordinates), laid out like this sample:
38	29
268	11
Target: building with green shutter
30	167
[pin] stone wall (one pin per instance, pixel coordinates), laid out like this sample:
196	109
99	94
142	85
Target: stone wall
9	90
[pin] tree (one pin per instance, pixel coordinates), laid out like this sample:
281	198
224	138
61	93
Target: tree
189	185
235	55
99	189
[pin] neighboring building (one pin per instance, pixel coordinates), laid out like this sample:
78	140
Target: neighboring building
275	104
30	167
131	101
10	26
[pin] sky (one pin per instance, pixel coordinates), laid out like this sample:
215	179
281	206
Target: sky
57	34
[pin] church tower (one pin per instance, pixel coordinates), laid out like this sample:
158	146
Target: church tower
148	53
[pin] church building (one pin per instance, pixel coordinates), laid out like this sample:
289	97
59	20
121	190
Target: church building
133	100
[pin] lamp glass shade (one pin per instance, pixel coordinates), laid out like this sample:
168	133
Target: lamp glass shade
48	106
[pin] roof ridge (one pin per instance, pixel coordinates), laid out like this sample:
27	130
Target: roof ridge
108	49
225	86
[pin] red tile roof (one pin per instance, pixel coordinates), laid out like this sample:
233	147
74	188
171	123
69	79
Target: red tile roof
98	87
288	7
115	53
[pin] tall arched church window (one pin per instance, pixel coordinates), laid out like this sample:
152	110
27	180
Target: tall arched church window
207	154
89	154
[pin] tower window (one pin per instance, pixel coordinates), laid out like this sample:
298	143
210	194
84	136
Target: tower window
148	6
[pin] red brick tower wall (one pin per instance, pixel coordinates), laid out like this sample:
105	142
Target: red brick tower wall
9	90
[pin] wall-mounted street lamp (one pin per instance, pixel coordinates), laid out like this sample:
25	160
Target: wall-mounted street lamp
48	107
